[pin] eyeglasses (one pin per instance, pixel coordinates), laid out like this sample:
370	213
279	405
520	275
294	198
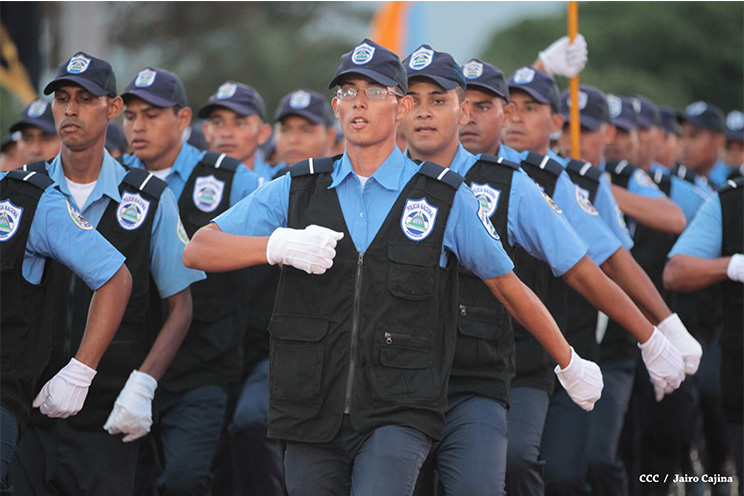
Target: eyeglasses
373	93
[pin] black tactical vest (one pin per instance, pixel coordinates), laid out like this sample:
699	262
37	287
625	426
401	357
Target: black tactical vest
732	351
534	363
26	337
375	335
128	227
212	352
484	354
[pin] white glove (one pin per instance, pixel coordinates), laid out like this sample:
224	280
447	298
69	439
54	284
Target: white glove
582	380
564	58
735	269
132	412
311	249
664	364
65	393
676	332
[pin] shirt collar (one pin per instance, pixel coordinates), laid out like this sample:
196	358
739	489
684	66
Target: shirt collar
107	183
388	175
186	160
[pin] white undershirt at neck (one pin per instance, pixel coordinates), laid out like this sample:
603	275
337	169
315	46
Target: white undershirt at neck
80	192
162	173
363	180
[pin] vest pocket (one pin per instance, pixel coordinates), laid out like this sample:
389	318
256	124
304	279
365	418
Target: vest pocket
412	270
296	357
406	366
481	333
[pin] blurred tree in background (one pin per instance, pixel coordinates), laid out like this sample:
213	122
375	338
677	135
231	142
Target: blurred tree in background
671	52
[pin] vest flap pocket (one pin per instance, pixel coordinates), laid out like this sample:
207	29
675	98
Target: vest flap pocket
414	254
478	322
298	327
405	351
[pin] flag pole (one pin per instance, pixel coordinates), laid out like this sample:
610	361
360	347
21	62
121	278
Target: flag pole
573	29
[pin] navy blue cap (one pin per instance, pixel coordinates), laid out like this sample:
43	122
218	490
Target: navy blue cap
308	104
648	113
93	74
669	121
735	126
37	114
240	98
8	140
538	84
440	67
157	87
623	112
593	107
374	61
703	115
115	139
482	75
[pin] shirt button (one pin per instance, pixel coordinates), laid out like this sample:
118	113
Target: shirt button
361	214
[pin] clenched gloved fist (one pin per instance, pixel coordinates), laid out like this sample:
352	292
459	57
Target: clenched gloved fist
664	364
132	412
582	380
311	249
564	58
676	332
65	393
735	269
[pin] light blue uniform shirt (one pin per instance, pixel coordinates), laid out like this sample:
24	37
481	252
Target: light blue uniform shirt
702	237
365	210
532	222
244	183
264	171
685	194
606	206
60	233
641	183
719	173
166	246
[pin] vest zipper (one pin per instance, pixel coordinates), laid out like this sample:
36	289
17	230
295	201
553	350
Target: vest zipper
354	332
67	348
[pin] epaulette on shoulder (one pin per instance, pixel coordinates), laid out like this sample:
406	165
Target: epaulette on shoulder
443	174
40	180
620	168
584	169
660	178
145	182
543	162
39	167
312	166
493	159
732	184
220	161
683	172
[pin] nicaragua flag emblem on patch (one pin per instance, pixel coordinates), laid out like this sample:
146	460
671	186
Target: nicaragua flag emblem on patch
524	75
37	108
418	219
299	99
145	78
421	58
132	211
548	199
582	198
208	193
472	70
78	218
10	219
362	54
487	197
226	91
486	220
78	64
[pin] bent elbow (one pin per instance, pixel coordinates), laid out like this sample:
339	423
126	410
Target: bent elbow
671	276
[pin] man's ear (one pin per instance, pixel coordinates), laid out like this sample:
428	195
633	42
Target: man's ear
184	118
405	105
116	105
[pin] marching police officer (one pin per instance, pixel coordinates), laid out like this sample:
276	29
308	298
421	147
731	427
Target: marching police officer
734	153
136	213
362	342
192	401
703	138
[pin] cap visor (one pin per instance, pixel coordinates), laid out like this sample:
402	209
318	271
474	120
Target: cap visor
626	124
489	89
373	75
440	81
45	126
242	110
698	122
149	98
539	97
85	83
315	119
585	121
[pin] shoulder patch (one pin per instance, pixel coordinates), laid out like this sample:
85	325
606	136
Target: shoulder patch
582	198
642	178
548	199
181	232
78	218
487	196
486	221
10	219
418	219
132	210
